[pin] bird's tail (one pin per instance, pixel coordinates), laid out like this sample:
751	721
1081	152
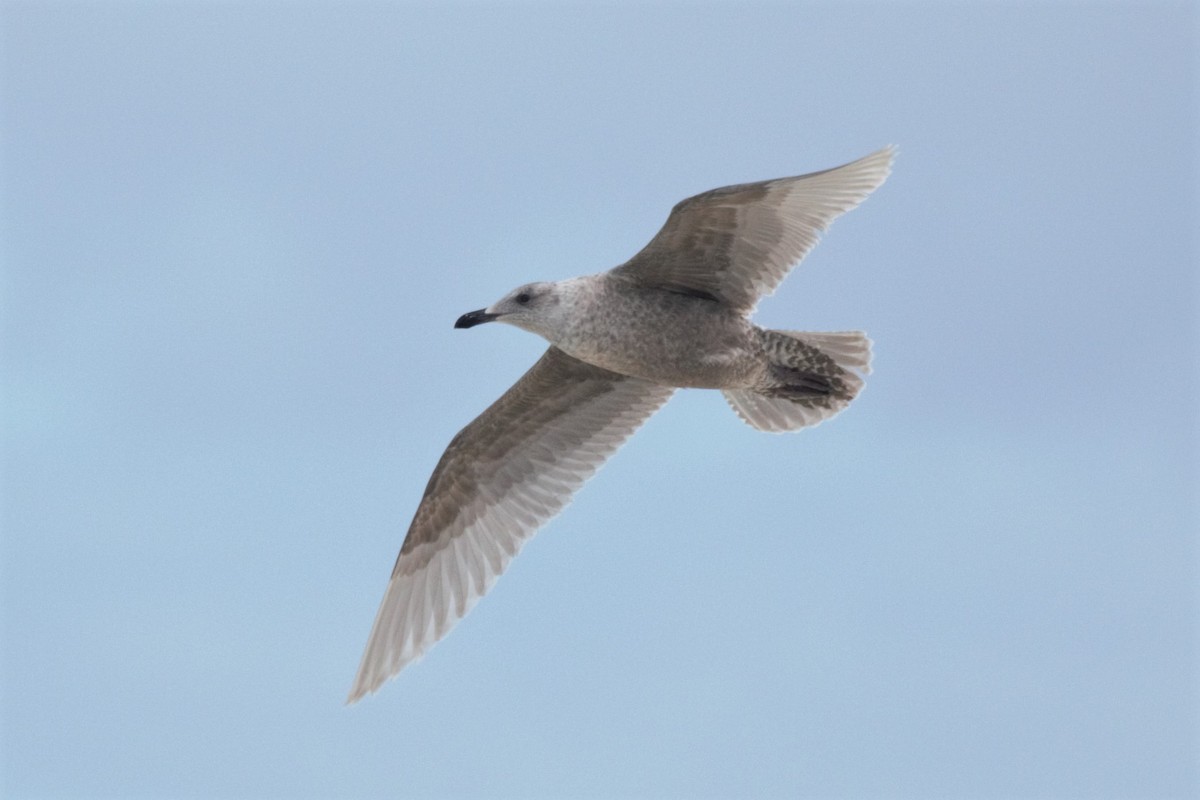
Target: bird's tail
812	377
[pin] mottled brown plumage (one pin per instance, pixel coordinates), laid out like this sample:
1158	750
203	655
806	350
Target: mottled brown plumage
675	315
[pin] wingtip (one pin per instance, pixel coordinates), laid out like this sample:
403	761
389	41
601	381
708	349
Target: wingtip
889	153
366	683
874	167
366	688
357	692
886	155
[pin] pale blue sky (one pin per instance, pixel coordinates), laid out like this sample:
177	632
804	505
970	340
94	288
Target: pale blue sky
235	238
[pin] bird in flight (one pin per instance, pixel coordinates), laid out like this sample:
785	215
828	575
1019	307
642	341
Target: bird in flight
676	315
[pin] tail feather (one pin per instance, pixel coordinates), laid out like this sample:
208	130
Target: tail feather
850	349
817	376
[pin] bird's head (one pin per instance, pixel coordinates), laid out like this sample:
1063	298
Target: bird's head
535	307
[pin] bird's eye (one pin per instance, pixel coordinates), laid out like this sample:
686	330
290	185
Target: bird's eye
523	298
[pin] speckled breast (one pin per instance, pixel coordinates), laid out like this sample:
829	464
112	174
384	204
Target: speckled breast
666	337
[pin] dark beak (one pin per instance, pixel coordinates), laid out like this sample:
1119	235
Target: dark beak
473	318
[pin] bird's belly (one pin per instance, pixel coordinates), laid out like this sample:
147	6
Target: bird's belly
686	350
718	371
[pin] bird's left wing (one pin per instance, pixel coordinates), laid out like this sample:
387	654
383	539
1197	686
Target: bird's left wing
503	476
735	244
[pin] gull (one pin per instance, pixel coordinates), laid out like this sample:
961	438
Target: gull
676	315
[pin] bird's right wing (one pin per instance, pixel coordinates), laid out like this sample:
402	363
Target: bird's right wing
503	476
735	244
